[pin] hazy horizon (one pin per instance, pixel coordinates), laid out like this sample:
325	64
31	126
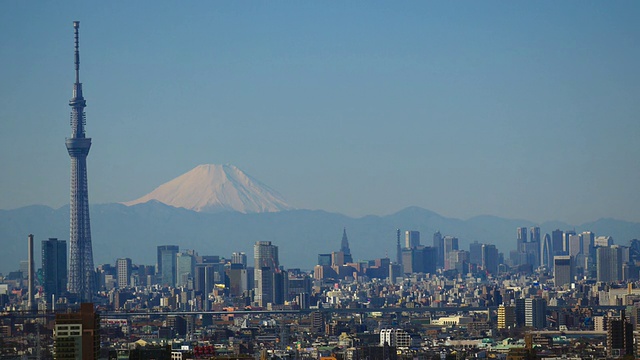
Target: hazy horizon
517	110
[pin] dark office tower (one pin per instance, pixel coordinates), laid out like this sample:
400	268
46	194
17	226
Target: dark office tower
411	239
398	248
557	242
450	244
546	253
438	243
475	253
77	335
490	259
608	264
166	265
54	267
344	247
520	312
81	272
563	270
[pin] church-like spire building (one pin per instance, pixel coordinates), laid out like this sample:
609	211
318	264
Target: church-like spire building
81	272
344	247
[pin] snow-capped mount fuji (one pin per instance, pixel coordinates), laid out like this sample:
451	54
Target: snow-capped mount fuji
216	188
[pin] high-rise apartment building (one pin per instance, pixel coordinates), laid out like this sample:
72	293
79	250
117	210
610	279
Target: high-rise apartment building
535	313
619	337
411	239
54	267
166	265
123	268
77	335
81	272
506	317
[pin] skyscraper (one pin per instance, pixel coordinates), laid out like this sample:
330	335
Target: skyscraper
398	248
490	258
239	258
54	267
556	242
619	337
608	264
265	257
521	238
166	265
344	247
546	253
438	243
450	244
535	313
475	253
563	269
411	239
185	268
123	268
81	272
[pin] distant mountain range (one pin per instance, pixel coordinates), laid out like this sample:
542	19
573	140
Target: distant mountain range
216	188
135	231
219	209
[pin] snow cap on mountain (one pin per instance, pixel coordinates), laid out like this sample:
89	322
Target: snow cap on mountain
216	188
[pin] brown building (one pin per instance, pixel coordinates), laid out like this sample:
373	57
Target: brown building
77	335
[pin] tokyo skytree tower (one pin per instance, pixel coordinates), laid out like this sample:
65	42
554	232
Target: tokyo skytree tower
81	273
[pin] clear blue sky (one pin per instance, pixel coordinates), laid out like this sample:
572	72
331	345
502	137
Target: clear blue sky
517	109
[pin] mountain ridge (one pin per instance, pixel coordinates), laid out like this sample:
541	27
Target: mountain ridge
135	231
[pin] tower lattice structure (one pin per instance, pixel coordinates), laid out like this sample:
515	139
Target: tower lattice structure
81	272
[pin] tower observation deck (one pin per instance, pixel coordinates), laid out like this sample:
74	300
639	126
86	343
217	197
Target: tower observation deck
81	271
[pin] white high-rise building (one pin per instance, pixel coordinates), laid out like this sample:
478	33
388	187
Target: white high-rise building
123	268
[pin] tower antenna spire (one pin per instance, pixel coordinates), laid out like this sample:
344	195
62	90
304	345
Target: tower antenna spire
76	31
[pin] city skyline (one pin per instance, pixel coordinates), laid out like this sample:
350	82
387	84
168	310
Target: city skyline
514	110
